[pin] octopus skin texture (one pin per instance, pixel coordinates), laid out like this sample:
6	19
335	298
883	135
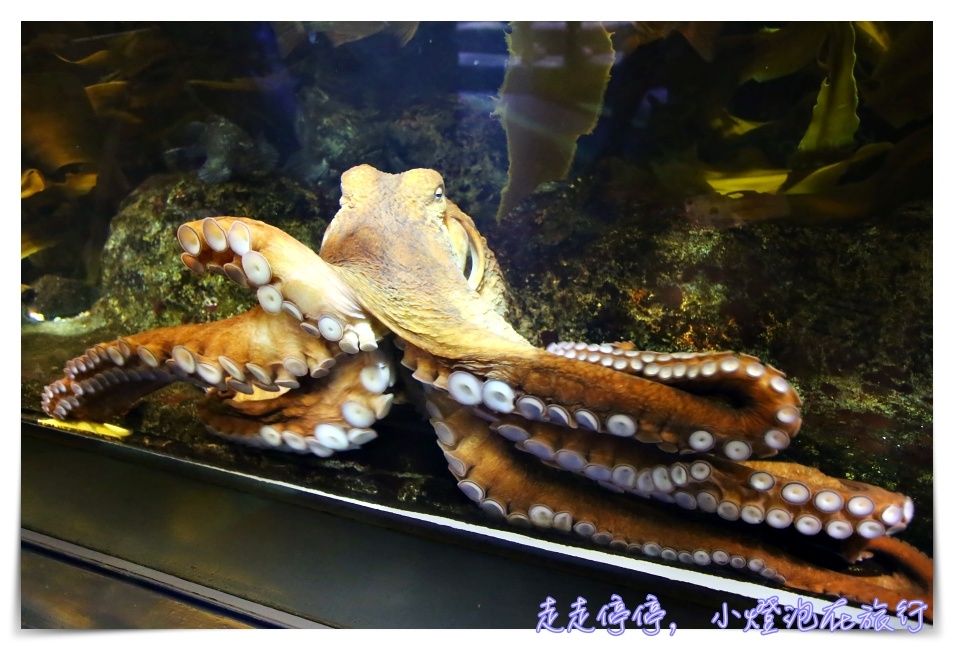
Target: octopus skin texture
403	278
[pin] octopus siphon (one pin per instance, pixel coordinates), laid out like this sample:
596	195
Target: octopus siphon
403	276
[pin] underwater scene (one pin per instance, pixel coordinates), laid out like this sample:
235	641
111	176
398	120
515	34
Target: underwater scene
659	290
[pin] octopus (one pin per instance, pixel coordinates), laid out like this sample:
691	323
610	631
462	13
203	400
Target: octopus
405	292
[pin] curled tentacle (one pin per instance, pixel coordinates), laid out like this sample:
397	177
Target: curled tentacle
777	494
567	392
504	487
735	378
268	384
284	273
780	495
325	415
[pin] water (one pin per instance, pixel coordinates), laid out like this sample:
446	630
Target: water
706	210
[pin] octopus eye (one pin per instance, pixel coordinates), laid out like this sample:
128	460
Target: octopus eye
439	193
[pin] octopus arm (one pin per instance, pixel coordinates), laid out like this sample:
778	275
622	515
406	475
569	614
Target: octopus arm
286	275
777	494
545	386
606	448
334	412
507	488
267	381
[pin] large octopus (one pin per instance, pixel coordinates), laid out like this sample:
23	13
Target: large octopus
310	370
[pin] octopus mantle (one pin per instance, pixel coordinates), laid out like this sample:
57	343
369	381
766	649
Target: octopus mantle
314	366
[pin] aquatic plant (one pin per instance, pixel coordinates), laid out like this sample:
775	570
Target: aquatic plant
798	120
551	95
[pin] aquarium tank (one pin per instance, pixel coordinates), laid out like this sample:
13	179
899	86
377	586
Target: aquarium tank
646	304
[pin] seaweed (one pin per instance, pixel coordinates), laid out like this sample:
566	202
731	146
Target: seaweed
835	116
551	95
796	122
749	122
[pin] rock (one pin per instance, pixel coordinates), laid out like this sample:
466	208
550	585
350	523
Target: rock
145	284
57	297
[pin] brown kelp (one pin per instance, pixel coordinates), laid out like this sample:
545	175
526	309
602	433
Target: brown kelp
742	122
551	95
100	103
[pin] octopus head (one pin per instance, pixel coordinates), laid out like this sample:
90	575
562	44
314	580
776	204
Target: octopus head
418	193
402	222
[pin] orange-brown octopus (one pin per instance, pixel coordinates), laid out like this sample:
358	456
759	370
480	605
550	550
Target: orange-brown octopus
311	369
